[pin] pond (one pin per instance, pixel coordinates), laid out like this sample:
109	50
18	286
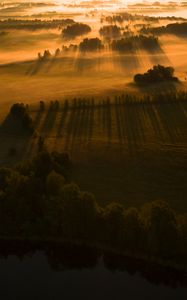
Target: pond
77	274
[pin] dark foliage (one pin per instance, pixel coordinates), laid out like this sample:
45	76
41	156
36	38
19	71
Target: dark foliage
179	29
18	121
38	200
127	17
92	44
110	31
36	24
155	75
134	42
75	30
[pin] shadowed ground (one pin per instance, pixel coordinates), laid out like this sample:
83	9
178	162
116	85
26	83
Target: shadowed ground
125	151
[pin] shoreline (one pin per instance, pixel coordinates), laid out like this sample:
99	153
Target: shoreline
36	243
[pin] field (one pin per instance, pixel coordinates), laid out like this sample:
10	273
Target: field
125	151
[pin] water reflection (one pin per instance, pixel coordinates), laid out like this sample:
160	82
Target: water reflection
71	272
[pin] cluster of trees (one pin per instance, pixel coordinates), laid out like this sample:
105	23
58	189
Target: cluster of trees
75	30
148	42
123	17
123	45
37	199
45	56
155	75
18	121
110	31
36	24
131	43
87	45
92	44
126	44
58	52
179	29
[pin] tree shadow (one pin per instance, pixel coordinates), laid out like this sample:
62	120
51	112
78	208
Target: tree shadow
37	66
173	120
129	123
50	117
128	62
158	88
157	55
107	119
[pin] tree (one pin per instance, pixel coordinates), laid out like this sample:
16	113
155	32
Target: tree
77	29
54	183
114	224
164	238
93	44
155	75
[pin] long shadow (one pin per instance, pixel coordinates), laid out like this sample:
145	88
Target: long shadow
107	120
87	120
174	121
63	119
83	131
119	122
83	64
91	119
156	89
153	117
127	62
49	119
77	128
38	118
157	55
38	66
129	123
71	123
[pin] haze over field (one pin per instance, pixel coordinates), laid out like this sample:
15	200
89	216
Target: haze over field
74	72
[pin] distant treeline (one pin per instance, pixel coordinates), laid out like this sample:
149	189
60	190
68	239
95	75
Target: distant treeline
87	45
179	29
123	45
35	24
126	17
38	200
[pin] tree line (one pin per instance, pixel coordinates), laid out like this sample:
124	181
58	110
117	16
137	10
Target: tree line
36	24
123	45
178	29
38	200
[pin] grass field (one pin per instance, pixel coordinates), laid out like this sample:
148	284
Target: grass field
126	152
